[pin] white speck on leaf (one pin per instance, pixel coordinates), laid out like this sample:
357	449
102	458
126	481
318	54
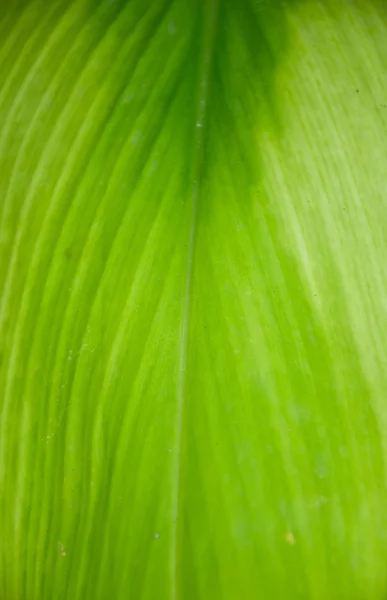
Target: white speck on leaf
62	549
156	536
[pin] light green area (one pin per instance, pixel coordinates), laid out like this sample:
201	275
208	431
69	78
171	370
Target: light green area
193	300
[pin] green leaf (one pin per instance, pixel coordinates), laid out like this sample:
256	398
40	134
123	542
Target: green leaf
193	300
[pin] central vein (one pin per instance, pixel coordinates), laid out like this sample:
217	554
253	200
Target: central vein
210	14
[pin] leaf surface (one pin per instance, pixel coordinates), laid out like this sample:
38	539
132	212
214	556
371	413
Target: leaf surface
193	300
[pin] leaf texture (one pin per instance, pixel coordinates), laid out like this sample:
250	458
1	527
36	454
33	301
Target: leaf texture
193	300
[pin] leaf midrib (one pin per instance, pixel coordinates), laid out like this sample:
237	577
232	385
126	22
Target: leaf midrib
209	22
